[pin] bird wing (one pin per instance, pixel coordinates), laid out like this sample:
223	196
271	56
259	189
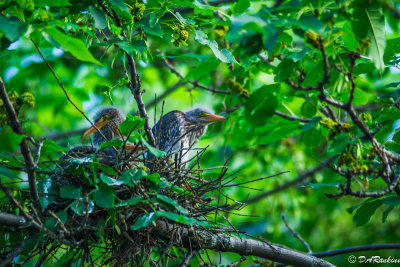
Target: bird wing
169	130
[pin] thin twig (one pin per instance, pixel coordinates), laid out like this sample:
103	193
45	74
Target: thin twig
297	180
335	252
195	83
296	235
65	92
291	117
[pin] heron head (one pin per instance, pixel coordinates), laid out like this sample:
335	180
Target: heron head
203	115
107	117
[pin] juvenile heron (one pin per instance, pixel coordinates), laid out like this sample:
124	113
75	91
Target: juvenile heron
107	121
178	131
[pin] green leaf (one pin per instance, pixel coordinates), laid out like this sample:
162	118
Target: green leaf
110	181
115	142
138	46
9	141
152	150
313	137
321	185
369	23
309	107
75	46
130	124
104	197
365	212
360	97
314	75
154	177
6	172
261	105
181	218
392	201
340	143
173	203
241	6
132	201
52	3
12	29
312	123
120	8
79	207
191	55
183	20
392	49
155	30
385	214
389	115
224	55
100	20
348	37
202	69
132	175
70	191
144	221
279	132
51	149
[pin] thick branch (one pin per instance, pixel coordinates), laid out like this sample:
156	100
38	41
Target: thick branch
15	124
243	246
8	219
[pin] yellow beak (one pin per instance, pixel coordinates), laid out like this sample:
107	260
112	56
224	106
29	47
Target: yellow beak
214	117
99	124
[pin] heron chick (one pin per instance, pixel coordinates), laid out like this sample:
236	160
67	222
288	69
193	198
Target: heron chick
178	131
107	121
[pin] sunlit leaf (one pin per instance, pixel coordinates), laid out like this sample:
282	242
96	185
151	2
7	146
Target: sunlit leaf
75	46
369	22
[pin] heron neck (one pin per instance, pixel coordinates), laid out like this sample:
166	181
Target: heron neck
98	139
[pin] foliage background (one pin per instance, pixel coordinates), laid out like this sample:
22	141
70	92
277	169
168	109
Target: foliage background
256	140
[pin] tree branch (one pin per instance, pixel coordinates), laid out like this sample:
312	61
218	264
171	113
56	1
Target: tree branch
291	117
299	179
134	84
335	252
195	83
65	91
243	246
296	235
15	124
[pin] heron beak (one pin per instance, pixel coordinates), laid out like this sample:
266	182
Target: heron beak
131	147
99	124
214	117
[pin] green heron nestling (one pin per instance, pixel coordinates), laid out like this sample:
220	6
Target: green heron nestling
178	131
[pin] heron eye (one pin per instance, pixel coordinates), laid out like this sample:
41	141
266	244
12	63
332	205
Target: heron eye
203	114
